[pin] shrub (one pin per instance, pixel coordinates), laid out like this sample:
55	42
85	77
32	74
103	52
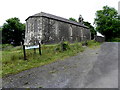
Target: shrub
115	40
65	46
84	43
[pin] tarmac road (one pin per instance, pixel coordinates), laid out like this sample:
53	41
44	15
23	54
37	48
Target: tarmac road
93	68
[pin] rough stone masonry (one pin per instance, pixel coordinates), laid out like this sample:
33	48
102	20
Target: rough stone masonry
48	29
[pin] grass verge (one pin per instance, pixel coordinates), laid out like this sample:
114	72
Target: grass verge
12	59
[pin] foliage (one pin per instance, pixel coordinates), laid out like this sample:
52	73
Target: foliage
114	40
108	22
92	30
73	19
13	31
84	43
63	46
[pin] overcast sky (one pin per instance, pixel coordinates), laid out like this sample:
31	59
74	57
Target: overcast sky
63	8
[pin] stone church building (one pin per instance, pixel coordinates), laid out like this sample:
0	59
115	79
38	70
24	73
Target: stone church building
48	29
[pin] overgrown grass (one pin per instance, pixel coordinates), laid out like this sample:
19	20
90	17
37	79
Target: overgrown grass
12	59
5	47
93	44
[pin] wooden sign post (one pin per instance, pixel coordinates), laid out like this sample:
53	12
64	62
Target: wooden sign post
24	52
31	47
40	49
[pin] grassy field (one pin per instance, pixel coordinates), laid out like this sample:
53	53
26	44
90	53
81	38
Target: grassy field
13	62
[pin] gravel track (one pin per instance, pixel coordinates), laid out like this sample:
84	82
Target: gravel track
93	68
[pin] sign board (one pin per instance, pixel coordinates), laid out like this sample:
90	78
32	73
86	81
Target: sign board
31	47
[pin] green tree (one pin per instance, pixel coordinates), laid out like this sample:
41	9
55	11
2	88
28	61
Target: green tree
13	31
73	19
92	30
107	22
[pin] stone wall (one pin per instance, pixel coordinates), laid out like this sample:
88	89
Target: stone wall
51	31
55	31
33	33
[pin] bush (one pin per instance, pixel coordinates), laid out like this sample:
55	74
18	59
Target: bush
64	46
84	43
115	40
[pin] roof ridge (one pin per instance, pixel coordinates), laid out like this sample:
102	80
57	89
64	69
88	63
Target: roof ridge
43	14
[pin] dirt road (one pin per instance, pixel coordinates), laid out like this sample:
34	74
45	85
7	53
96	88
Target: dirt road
93	68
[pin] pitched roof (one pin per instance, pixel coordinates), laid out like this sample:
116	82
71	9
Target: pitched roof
42	14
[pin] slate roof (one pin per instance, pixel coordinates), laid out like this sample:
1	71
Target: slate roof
42	14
